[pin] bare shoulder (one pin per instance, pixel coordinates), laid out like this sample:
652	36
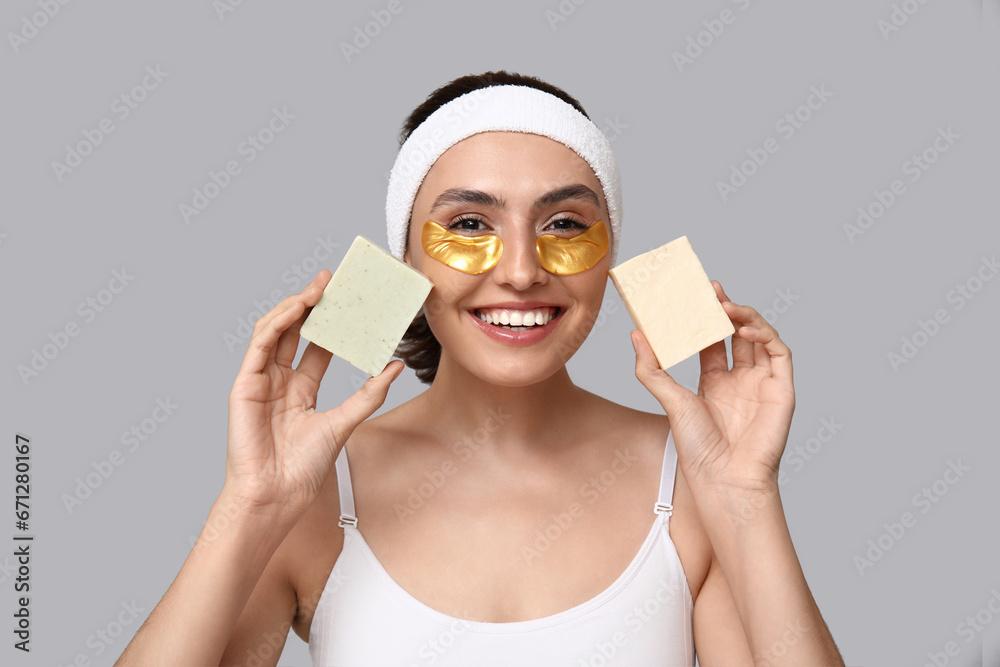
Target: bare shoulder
310	550
313	546
686	530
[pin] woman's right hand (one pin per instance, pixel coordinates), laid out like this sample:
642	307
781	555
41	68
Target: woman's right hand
280	450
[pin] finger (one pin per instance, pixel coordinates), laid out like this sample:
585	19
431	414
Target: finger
672	396
742	348
779	355
267	331
760	356
720	291
360	405
288	344
714	358
283	305
314	362
265	336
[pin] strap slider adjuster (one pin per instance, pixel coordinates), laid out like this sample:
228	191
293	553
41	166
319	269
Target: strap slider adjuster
346	519
663	508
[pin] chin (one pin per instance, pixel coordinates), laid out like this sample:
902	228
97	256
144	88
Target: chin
517	374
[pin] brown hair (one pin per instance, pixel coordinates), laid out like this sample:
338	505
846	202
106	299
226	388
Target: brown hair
419	349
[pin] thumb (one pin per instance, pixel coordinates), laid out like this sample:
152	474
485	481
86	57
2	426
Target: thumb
674	398
360	405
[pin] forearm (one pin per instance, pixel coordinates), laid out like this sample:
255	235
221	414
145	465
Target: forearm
781	620
192	623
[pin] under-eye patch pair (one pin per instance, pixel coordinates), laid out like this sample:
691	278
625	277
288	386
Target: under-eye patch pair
478	254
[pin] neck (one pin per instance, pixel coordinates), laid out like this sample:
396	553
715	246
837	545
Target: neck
509	418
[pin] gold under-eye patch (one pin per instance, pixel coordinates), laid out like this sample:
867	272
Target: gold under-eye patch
566	256
478	254
469	254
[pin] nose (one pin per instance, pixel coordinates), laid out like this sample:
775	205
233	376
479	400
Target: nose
519	266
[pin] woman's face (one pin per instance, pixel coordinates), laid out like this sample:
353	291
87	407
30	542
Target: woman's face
497	183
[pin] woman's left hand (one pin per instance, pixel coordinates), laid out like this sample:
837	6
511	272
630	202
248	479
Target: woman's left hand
732	433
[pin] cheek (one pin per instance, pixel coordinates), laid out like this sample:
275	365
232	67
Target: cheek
591	288
449	289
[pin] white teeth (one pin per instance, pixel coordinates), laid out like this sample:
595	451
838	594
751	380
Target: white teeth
519	320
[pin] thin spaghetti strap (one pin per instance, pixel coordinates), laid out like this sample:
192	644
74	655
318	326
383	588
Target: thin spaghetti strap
345	490
663	503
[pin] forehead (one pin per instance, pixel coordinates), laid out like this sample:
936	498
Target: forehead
508	159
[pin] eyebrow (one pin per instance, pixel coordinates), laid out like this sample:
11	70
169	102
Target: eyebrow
471	196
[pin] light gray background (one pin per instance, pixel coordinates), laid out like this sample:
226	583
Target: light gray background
325	176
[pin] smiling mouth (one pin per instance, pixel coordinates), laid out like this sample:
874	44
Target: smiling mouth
516	320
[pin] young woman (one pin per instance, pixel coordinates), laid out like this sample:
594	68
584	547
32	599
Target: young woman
504	516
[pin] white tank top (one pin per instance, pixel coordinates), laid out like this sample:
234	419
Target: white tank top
364	618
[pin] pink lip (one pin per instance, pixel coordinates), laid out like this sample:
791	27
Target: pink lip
518	338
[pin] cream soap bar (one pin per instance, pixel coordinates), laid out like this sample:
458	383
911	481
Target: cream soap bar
367	306
672	302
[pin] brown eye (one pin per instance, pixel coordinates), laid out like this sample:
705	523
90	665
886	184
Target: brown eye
572	225
466	225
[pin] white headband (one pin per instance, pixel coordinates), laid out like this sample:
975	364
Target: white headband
504	108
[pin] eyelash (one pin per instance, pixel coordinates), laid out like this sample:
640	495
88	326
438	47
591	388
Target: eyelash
576	225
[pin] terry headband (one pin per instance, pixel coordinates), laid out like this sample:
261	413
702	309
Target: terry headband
506	108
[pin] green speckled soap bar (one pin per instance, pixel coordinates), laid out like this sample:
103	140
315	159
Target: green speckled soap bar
367	306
